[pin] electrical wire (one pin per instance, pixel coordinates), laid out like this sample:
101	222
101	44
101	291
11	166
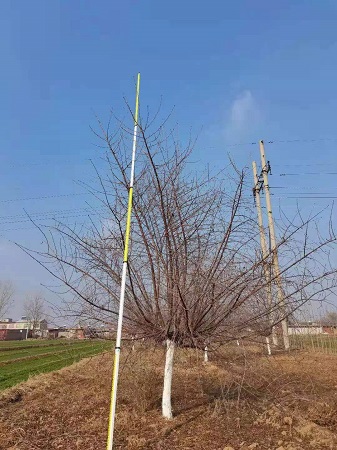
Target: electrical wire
62	162
35	228
46	213
283	141
313	197
42	197
306	173
309	188
306	165
290	141
51	218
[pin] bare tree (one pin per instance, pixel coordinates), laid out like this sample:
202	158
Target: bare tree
6	297
195	268
34	308
330	318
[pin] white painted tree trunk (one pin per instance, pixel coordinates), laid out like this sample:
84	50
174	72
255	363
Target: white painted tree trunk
237	342
268	346
274	336
166	401
206	354
286	342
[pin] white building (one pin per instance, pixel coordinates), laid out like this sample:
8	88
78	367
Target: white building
305	329
40	328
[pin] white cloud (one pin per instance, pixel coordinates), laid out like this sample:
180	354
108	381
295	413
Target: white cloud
244	116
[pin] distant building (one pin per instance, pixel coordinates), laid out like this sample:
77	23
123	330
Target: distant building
12	335
67	333
53	333
305	329
71	333
80	332
312	328
40	329
329	329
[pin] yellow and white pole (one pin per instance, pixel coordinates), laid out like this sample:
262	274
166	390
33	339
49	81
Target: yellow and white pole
122	293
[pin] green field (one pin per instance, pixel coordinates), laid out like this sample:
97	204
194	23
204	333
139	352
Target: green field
19	360
320	342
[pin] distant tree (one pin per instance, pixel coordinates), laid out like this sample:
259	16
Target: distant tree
6	297
330	318
34	308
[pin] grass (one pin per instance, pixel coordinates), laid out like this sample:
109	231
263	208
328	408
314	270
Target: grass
320	342
18	353
241	399
32	343
24	359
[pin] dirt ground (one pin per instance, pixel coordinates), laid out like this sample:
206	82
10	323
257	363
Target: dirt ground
240	400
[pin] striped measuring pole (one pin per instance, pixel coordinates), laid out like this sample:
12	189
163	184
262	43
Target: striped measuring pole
122	293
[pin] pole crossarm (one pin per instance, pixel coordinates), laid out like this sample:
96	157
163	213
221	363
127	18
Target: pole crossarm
259	179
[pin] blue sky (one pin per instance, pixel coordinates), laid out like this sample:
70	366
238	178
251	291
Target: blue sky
235	72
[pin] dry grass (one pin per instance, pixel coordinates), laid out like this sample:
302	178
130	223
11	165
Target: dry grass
241	400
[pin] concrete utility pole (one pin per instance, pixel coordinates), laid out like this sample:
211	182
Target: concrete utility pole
276	266
264	248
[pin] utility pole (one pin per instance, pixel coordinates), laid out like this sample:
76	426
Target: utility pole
256	190
276	266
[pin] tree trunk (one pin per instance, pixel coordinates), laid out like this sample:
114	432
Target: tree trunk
274	336
206	354
285	334
166	401
268	346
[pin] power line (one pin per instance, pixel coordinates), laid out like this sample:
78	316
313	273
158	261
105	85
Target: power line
51	218
35	228
283	141
307	173
45	213
55	162
235	144
309	196
309	188
290	141
42	197
306	165
306	193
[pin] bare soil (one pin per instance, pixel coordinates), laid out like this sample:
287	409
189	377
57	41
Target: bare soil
240	400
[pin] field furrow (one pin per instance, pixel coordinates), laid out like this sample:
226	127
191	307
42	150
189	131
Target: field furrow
19	364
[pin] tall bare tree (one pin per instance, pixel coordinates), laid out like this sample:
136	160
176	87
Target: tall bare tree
195	268
34	308
6	297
